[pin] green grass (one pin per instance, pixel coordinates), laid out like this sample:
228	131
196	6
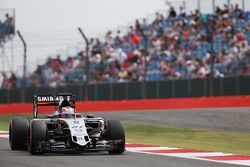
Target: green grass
4	125
231	142
5	119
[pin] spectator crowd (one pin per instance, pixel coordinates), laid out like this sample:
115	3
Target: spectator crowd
177	46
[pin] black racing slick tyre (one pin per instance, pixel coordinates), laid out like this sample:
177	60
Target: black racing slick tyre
37	134
116	132
18	133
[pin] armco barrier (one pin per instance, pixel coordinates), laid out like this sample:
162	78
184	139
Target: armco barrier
228	86
154	104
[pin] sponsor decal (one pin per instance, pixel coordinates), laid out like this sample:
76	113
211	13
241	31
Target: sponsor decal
52	98
76	122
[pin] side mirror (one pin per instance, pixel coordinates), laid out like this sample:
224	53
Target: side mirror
90	116
49	116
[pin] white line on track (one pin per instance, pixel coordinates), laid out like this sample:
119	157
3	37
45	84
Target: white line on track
192	154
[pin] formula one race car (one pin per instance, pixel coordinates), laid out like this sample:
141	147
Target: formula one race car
65	130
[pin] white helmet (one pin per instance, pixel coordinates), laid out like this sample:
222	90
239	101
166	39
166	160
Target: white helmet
67	109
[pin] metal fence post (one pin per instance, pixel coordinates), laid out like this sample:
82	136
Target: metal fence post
221	87
126	91
95	92
143	86
111	91
157	89
80	94
237	85
24	66
86	82
173	88
8	96
205	87
189	87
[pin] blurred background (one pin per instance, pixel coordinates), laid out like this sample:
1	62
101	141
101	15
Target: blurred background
136	50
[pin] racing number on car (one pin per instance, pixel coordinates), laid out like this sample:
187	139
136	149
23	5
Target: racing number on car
80	138
75	122
78	130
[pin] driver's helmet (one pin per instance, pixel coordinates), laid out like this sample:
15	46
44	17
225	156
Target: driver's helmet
64	104
67	109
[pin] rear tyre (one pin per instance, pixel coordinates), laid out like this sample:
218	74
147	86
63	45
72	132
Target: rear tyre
37	134
18	133
116	132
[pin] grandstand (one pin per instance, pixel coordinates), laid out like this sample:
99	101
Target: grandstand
176	46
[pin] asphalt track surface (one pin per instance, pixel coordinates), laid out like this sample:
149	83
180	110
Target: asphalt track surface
233	119
24	159
223	119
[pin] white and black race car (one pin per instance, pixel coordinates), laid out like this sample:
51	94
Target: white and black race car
65	130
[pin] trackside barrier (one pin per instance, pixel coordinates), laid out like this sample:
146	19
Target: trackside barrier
228	86
124	105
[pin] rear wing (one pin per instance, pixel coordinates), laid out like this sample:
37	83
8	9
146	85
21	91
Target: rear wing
51	100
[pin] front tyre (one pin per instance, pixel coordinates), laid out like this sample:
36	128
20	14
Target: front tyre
18	133
116	132
37	134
